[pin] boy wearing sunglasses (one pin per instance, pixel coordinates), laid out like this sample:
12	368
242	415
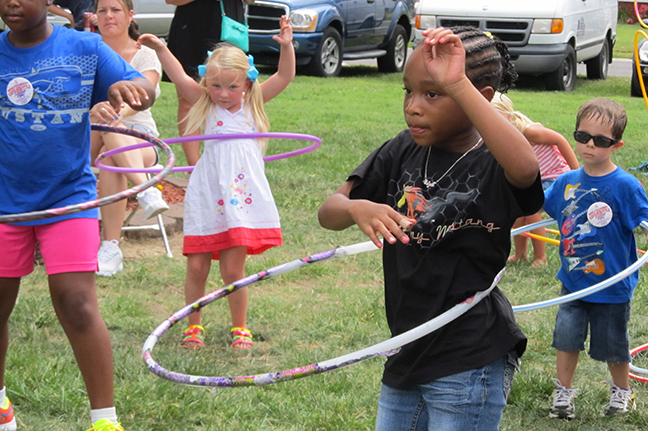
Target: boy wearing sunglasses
597	208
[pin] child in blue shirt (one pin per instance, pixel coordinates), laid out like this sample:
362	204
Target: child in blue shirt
50	77
597	208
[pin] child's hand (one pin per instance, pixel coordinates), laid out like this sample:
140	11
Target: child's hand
444	56
378	219
150	41
285	31
104	113
126	92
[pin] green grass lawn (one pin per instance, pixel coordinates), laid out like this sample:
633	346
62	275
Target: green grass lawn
624	46
307	316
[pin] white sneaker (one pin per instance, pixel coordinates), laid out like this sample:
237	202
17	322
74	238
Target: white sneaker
109	258
152	202
563	402
621	400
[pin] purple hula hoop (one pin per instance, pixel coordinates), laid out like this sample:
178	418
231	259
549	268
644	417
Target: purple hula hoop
71	209
317	143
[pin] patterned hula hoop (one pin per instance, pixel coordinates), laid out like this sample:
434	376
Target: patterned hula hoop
317	143
385	348
71	209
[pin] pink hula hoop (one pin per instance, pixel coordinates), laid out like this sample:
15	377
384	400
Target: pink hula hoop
317	143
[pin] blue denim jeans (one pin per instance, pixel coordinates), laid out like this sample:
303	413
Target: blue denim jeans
470	401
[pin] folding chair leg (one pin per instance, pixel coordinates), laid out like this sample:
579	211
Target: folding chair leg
164	236
160	225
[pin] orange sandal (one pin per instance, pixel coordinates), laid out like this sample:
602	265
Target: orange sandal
241	338
193	336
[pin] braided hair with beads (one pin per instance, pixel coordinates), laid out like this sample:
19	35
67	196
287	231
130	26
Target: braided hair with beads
488	62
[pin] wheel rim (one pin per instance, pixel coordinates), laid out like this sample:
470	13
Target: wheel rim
400	50
330	55
605	65
568	75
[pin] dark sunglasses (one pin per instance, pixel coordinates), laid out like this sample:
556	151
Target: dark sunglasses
599	140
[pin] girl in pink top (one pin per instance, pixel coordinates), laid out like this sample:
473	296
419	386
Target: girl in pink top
555	156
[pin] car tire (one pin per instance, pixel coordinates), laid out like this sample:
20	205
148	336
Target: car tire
394	60
635	87
597	67
563	78
327	61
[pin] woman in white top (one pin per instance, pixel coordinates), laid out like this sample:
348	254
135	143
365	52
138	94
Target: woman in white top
114	19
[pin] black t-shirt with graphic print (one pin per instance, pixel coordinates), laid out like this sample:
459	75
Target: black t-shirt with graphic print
460	242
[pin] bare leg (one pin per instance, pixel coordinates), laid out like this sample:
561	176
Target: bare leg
143	157
520	242
566	363
112	216
539	246
232	268
9	289
191	149
113	182
198	265
619	374
74	298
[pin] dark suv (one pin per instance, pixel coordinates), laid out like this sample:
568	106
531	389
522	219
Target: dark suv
326	32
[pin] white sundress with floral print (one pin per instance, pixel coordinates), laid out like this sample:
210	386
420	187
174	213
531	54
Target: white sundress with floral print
228	201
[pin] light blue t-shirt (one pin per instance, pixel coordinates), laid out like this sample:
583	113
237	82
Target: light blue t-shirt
596	217
46	93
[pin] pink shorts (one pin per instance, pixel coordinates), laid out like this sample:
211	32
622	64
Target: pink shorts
67	246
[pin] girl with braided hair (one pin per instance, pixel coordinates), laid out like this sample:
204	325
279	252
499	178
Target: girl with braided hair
473	174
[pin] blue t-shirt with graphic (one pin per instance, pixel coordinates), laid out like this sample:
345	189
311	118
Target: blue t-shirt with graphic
46	93
597	217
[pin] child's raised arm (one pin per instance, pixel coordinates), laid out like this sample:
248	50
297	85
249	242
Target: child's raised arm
339	212
445	58
185	84
540	135
278	82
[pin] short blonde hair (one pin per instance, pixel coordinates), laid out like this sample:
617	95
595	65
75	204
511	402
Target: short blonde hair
228	57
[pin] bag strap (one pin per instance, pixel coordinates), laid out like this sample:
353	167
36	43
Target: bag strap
244	11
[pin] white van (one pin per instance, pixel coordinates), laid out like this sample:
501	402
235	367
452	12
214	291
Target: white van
545	38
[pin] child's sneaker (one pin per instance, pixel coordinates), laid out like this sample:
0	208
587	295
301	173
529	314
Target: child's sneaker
621	400
106	425
7	417
152	202
109	258
563	402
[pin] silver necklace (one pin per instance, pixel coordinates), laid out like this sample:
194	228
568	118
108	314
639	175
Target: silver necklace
126	47
429	184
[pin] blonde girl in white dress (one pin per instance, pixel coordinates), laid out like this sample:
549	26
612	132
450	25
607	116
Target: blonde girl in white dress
229	209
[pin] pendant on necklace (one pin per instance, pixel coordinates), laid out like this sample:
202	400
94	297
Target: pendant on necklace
429	184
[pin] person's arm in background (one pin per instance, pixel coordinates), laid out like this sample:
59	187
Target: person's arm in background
178	2
537	134
56	10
